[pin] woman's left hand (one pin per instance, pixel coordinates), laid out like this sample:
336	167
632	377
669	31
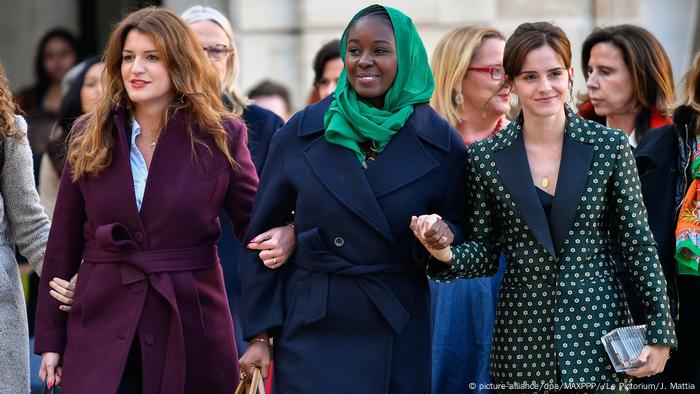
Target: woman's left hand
64	292
654	358
275	245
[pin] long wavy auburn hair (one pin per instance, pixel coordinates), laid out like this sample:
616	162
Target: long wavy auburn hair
194	79
8	108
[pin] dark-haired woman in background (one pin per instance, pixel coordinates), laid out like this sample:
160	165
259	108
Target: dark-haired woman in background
327	67
546	190
83	93
630	87
350	313
56	54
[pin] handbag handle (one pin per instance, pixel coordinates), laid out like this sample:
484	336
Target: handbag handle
256	385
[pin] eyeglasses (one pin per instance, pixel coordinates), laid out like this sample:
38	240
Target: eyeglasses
217	52
497	72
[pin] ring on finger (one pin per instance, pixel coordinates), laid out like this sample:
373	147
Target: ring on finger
244	375
274	260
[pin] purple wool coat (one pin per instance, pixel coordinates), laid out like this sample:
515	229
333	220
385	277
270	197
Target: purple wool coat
154	274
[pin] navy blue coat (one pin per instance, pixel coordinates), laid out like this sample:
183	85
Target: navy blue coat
350	311
262	124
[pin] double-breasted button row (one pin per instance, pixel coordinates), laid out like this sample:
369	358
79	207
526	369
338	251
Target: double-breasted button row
339	241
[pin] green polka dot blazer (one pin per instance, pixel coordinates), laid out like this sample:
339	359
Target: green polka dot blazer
559	294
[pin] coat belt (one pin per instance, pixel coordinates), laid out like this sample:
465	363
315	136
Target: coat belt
169	273
323	265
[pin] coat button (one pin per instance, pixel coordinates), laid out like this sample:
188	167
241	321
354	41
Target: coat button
138	236
149	339
338	241
136	287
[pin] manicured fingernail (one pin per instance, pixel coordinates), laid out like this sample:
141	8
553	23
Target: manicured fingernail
50	384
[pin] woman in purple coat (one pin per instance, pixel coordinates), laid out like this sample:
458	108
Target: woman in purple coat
149	172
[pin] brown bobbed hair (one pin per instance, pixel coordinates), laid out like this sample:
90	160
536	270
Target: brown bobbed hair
8	108
530	36
650	70
196	84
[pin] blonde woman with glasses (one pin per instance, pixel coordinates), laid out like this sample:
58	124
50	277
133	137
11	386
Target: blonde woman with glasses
469	93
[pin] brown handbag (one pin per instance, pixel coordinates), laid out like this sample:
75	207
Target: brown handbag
256	385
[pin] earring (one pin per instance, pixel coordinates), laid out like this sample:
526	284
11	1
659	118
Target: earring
459	99
571	92
181	98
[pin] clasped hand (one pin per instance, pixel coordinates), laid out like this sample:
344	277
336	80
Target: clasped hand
434	234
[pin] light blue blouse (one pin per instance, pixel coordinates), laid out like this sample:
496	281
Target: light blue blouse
139	170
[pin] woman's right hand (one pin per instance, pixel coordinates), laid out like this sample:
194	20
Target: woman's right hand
51	369
257	356
64	292
434	234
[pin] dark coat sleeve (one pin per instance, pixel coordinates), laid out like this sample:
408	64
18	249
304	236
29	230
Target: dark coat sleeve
262	125
62	259
262	288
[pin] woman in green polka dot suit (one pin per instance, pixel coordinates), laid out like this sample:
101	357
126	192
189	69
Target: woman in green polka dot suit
546	190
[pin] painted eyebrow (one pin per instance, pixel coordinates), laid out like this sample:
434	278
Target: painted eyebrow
549	71
130	51
375	41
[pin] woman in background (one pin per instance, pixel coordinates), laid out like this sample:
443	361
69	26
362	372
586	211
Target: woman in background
56	54
684	365
216	37
83	93
327	67
468	70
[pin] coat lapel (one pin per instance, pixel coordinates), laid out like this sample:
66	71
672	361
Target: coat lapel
405	158
338	169
515	172
577	155
122	162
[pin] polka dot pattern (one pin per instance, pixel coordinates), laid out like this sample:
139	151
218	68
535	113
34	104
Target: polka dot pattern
552	311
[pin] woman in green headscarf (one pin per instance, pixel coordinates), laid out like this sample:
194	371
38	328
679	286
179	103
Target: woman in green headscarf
350	312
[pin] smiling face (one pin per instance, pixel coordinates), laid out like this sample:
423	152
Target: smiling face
542	83
370	58
145	77
212	36
609	81
91	92
478	87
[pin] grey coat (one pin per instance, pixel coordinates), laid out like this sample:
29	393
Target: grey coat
22	222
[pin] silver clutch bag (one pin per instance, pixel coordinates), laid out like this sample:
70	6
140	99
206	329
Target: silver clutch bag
624	345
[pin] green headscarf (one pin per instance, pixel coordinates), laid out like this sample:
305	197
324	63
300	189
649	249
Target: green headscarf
350	121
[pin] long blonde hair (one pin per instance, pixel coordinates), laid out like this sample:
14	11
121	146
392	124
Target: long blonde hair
195	81
450	62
